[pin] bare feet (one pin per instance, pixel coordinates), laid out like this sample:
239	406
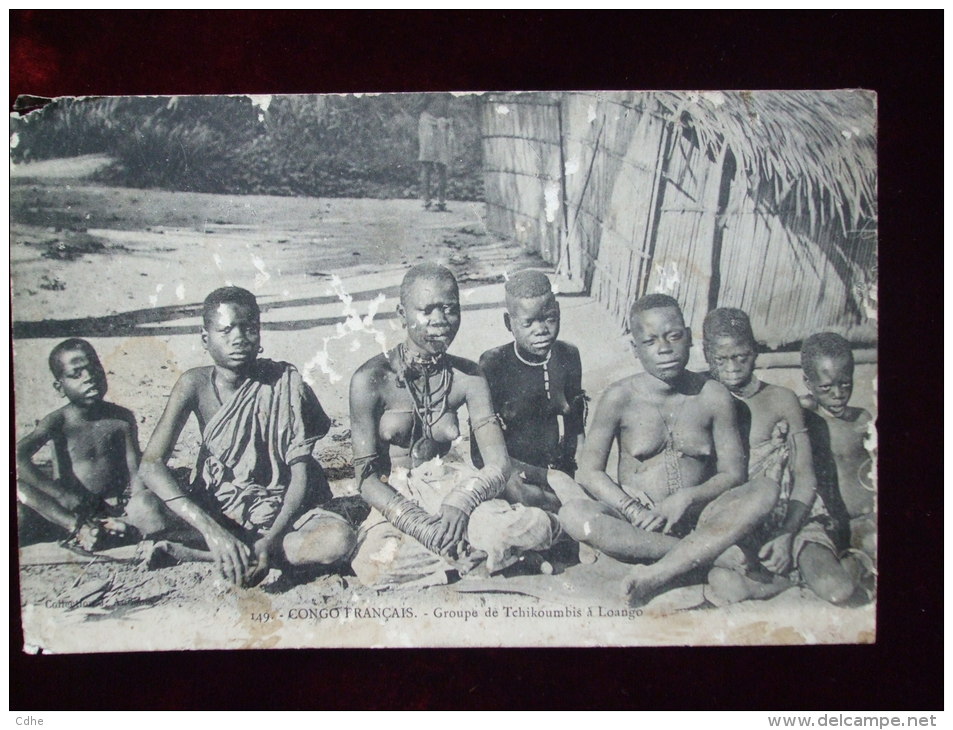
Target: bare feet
101	534
587	554
733	558
164	554
156	555
641	585
468	560
732	586
863	573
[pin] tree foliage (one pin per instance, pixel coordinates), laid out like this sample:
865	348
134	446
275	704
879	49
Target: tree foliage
335	146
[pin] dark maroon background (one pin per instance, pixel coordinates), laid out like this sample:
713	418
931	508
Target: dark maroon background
899	55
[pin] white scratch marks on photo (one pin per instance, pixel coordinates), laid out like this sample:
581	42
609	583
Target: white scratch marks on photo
154	298
353	324
668	278
262	277
551	195
262	101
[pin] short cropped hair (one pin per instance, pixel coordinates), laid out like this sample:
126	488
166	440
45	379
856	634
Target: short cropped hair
228	295
528	284
425	271
728	322
652	301
74	343
823	344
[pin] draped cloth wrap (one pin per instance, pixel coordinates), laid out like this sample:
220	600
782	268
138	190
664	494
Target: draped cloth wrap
773	458
388	556
251	443
435	137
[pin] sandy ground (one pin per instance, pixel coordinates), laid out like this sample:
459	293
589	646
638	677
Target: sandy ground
128	269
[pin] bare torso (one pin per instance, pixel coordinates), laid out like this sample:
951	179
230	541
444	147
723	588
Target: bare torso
766	409
90	448
209	392
651	425
852	459
397	427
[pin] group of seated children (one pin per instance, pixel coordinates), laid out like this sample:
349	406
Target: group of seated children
722	478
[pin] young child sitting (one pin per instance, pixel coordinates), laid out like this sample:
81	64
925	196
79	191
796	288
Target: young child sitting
255	490
536	387
838	431
95	455
795	534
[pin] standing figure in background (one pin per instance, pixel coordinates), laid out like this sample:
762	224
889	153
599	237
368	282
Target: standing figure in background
435	133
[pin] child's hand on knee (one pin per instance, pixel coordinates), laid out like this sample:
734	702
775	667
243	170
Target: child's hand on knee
775	554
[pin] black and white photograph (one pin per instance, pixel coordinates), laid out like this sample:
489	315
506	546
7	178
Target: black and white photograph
455	369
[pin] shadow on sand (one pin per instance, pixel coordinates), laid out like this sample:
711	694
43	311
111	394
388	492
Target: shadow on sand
126	324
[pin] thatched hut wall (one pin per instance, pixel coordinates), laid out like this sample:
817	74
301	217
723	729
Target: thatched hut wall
611	153
522	168
671	193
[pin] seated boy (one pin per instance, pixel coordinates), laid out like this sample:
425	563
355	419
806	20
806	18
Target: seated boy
256	486
838	432
677	504
795	535
95	454
536	387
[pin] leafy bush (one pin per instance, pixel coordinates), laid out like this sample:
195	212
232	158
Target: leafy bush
334	146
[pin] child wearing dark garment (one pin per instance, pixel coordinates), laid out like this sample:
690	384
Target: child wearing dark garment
536	387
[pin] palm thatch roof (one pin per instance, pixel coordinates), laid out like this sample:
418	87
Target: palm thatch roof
815	150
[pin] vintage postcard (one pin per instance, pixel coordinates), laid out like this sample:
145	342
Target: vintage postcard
446	370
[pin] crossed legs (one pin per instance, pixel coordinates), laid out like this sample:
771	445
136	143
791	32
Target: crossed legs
721	524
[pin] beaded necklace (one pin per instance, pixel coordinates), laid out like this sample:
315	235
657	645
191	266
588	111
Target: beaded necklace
431	402
741	396
671	454
544	364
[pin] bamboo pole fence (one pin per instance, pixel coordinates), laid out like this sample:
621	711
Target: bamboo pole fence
632	193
